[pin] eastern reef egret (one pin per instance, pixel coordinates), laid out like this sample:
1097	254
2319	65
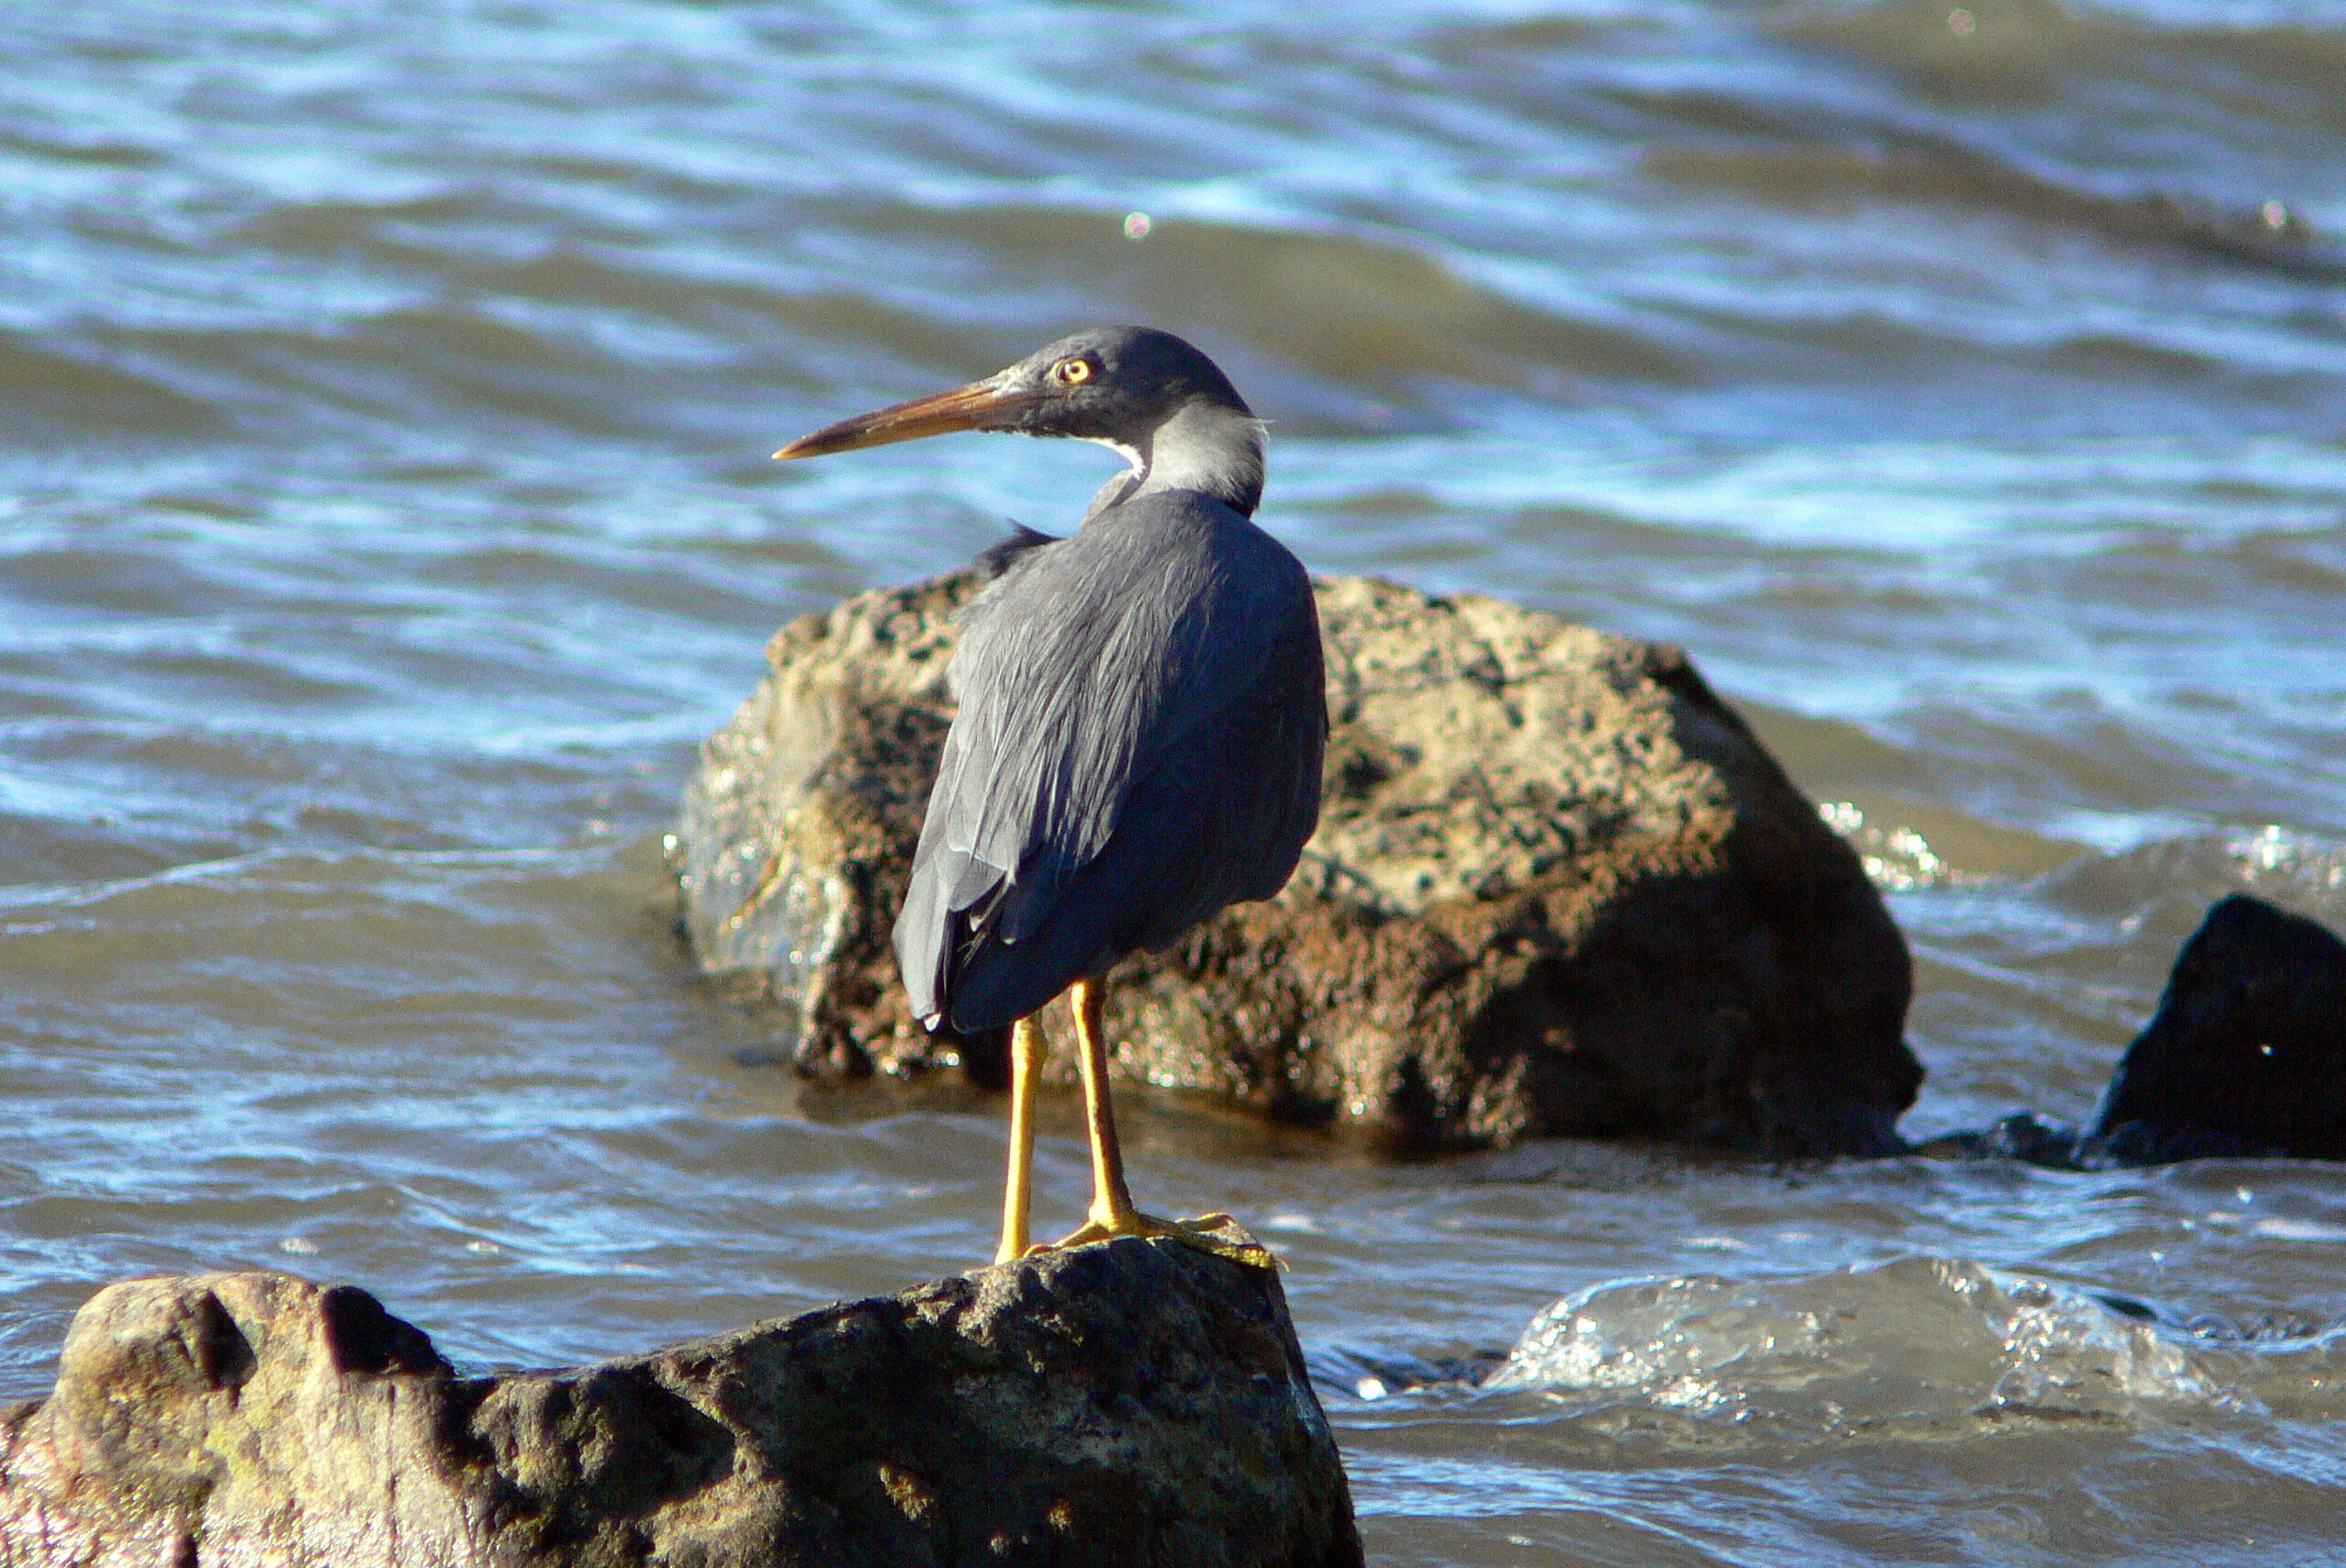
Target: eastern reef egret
1139	728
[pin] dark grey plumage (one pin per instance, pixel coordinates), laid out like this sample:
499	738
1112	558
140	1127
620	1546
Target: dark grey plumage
1139	744
1141	714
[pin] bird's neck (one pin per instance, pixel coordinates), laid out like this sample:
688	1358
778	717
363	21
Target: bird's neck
1203	447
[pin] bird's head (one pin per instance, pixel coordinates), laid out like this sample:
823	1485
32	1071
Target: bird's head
1118	386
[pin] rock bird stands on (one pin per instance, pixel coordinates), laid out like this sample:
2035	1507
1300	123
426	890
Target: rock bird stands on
1142	719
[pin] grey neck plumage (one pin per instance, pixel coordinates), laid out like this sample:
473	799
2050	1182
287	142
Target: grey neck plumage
1203	447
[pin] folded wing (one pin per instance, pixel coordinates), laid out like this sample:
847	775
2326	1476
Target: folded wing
1139	744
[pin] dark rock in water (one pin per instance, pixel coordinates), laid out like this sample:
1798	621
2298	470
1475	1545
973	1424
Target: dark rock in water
1558	889
2246	1054
2023	1135
1374	1373
2030	1139
1135	1402
2165	1143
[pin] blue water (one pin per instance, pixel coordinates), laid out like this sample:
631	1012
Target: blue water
387	518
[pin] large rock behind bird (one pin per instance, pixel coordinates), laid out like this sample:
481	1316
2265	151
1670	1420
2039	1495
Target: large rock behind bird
1127	1405
1558	889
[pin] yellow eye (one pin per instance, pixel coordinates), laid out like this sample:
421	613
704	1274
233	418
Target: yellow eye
1075	372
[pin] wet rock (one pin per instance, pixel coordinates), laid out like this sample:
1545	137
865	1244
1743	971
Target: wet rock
1136	1403
2023	1135
2243	1060
1558	889
2247	1053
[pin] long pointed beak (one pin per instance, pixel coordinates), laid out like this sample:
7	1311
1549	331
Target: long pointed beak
978	405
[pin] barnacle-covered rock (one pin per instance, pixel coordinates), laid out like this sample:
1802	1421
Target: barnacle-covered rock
1558	888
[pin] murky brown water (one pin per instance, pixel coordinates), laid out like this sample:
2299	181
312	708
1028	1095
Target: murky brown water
388	389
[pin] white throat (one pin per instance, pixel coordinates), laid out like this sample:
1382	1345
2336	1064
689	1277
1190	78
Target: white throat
1215	451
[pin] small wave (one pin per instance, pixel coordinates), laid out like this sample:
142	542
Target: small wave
2009	51
432	230
481	244
1918	1346
1933	170
1951	139
430	363
2163	885
49	391
1352	308
2026	51
1899	859
2300	871
93	154
2276	854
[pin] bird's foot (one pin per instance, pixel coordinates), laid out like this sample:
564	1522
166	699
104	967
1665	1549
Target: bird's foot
1218	1234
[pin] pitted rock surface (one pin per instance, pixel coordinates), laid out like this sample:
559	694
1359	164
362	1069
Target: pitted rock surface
1558	888
1136	1402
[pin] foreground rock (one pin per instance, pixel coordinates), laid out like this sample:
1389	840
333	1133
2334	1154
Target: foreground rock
1136	1403
1558	889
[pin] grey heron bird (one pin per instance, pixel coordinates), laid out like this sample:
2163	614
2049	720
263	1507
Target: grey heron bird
1139	726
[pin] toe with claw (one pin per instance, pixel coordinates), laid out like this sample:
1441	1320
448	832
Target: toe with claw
1217	1234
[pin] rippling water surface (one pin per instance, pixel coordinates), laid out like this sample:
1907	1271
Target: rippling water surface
386	517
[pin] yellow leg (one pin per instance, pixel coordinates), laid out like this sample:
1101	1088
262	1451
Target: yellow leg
1112	1208
1113	1213
1028	1044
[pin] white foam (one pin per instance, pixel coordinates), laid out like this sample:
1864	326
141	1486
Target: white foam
1920	1342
